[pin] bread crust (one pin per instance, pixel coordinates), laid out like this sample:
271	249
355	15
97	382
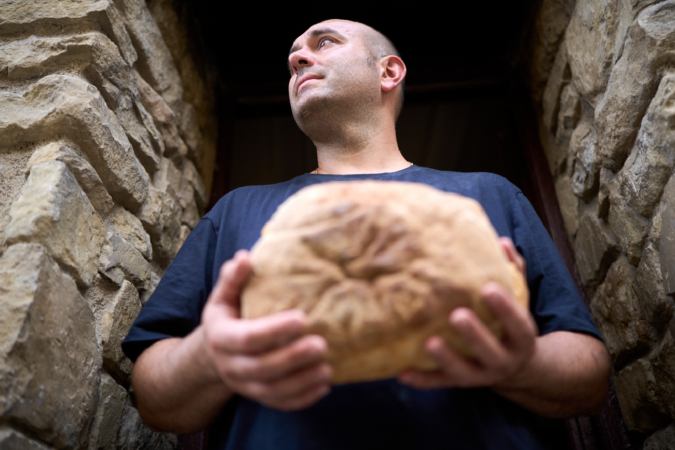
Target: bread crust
378	266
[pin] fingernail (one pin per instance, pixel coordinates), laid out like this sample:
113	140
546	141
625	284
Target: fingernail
434	344
459	317
319	345
327	372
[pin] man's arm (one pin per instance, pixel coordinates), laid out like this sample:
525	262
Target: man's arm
181	384
560	374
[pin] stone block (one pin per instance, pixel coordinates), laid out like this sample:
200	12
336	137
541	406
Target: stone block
190	216
617	314
99	296
120	260
133	433
656	306
628	225
191	133
19	16
654	235
584	161
639	398
557	80
170	180
161	217
667	238
60	106
164	118
13	178
595	248
155	63
569	205
114	324
607	179
13	440
69	154
49	360
594	38
155	278
568	117
651	160
661	440
633	82
663	362
53	210
91	53
192	177
103	435
129	227
146	147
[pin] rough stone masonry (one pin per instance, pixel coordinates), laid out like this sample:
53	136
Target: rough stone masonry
106	159
603	79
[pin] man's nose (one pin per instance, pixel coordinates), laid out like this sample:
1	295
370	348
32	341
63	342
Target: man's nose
300	58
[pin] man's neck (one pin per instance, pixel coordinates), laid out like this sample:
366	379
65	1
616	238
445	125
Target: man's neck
374	153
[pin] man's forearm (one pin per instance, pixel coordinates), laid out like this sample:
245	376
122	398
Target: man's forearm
176	387
567	375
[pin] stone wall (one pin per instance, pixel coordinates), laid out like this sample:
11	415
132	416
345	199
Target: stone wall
607	123
106	158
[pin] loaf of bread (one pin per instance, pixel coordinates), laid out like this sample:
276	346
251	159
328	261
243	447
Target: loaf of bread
378	266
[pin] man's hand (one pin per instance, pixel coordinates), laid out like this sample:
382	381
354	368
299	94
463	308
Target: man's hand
267	359
561	374
496	361
181	384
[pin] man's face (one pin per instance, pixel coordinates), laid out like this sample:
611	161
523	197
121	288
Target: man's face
330	66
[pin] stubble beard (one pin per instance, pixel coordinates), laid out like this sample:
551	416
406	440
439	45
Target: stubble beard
340	111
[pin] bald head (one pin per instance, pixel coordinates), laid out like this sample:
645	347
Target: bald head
378	44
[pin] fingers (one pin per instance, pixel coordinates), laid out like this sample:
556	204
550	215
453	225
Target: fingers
485	347
455	370
266	359
518	325
258	335
494	360
513	255
278	363
304	400
296	391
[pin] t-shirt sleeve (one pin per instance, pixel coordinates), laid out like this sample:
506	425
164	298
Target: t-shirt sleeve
555	301
174	309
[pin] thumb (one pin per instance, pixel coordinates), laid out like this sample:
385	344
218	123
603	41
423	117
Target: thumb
231	278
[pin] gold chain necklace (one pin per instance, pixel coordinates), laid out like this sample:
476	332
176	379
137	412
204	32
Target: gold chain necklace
316	171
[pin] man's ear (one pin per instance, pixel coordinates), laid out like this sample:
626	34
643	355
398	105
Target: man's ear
393	72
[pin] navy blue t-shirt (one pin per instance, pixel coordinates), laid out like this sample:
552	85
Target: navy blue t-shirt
380	414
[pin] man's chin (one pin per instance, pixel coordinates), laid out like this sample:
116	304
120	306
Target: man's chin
309	103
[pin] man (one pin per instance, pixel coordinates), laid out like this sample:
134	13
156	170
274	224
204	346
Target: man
264	384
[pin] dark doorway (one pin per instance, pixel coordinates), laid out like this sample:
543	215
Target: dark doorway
461	64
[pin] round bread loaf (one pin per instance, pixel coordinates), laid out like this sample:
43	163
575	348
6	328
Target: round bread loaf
378	266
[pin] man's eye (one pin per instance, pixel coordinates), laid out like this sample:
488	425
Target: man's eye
323	42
